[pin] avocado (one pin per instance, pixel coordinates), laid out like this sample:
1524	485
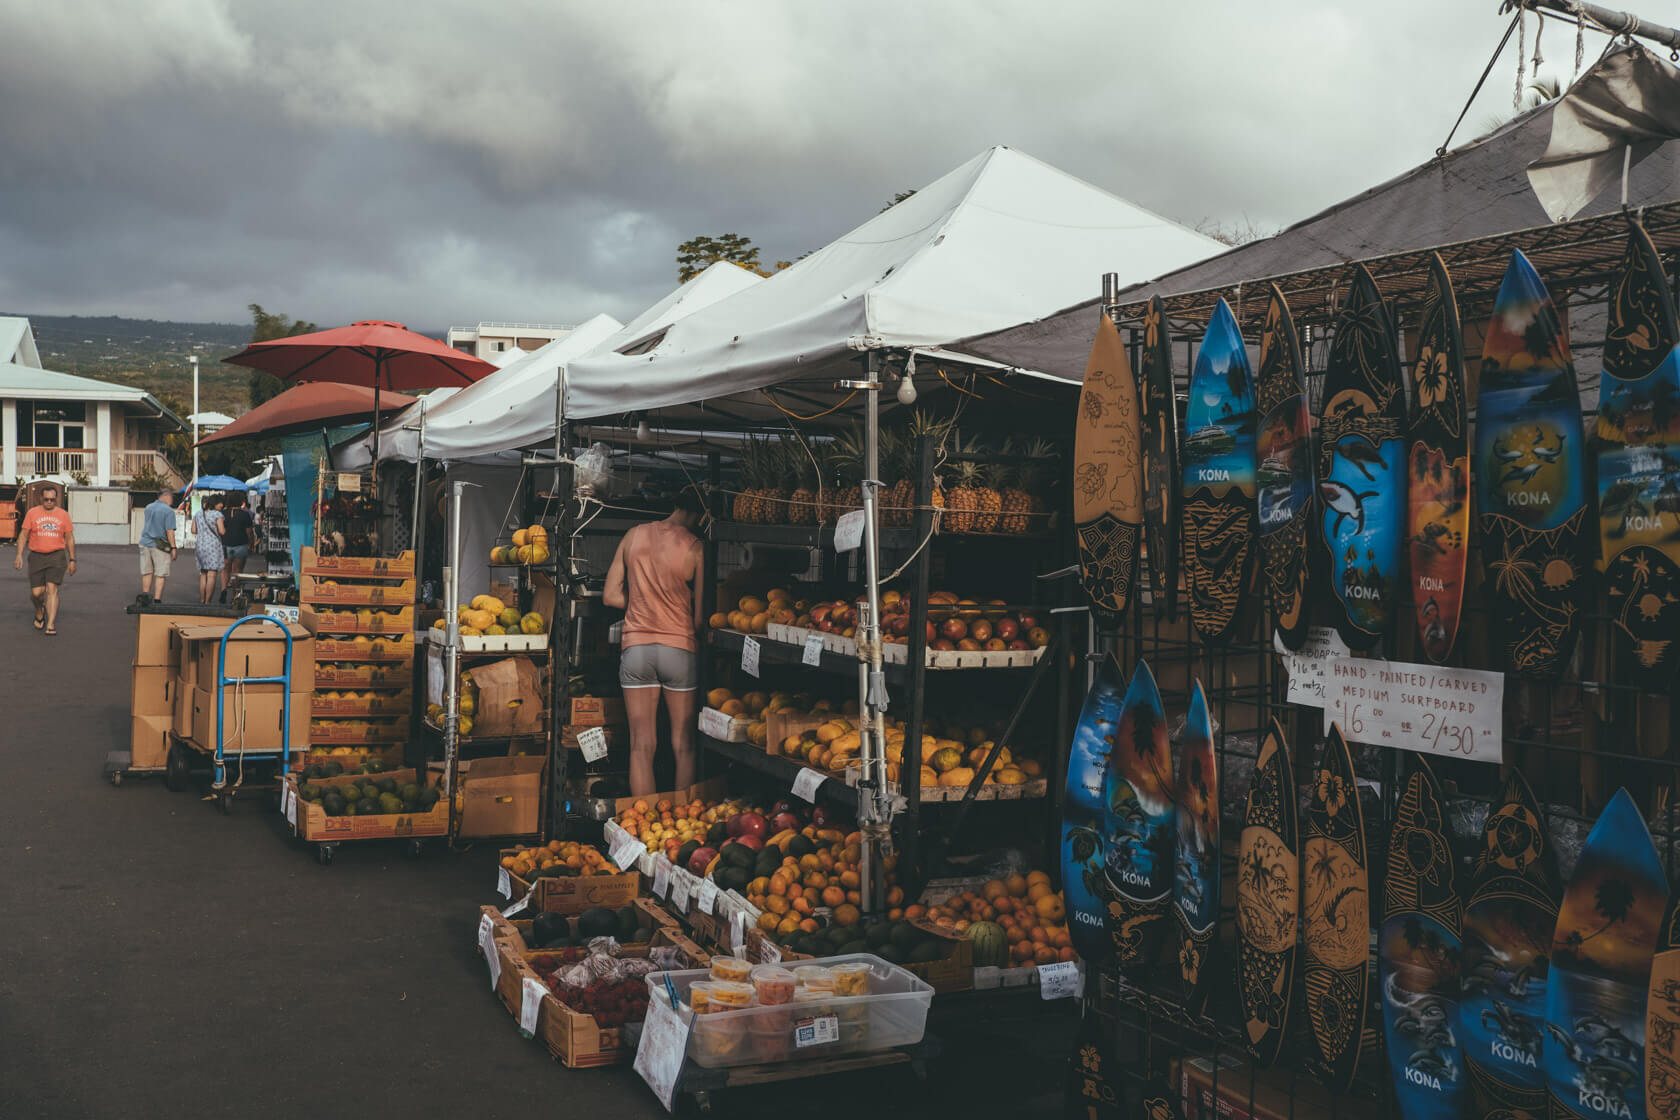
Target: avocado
370	790
375	766
687	851
933	949
717	835
906	936
387	785
800	846
548	926
553	871
597	921
839	935
331	770
390	803
627	924
312	771
890	953
428	798
409	791
410	806
350	793
851	947
766	863
878	934
333	804
738	855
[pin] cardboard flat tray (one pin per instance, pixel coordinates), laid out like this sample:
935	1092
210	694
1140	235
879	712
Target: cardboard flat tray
384	704
394	731
606	808
314	591
400	566
312	823
730	729
376	650
370	675
1038	787
894	653
493	643
348	622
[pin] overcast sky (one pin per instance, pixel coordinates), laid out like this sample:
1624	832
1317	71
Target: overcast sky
449	162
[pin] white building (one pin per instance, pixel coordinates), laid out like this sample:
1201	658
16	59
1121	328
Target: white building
60	426
207	422
488	340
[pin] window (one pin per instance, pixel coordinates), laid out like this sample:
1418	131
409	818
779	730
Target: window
54	423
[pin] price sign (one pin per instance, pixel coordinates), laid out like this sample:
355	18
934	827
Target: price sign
680	889
848	531
1425	708
288	802
813	649
662	869
1059	980
708	896
487	943
531	995
738	931
660	1053
816	1032
626	850
805	785
350	483
770	952
514	908
504	884
1308	668
592	741
749	655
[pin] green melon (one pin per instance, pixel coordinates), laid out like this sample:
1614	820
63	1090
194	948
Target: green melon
989	944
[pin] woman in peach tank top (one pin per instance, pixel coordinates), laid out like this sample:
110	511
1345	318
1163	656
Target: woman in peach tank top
652	579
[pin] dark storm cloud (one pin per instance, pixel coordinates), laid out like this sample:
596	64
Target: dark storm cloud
448	162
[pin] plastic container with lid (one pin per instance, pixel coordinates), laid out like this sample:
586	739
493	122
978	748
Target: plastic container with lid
733	969
700	997
728	995
851	979
815	977
773	983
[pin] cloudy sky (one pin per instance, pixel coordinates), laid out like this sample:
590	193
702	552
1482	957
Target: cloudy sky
443	162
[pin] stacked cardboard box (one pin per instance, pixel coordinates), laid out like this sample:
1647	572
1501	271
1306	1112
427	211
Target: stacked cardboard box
253	715
155	690
364	609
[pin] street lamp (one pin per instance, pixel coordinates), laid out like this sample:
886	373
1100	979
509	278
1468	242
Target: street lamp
193	358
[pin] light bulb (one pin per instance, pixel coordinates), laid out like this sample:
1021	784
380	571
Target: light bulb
907	385
642	431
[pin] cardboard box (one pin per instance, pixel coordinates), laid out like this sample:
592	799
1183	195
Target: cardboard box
255	651
314	590
400	566
153	692
396	648
616	737
576	894
348	732
347	621
380	704
1244	1094
510	698
152	646
262	714
598	711
713	789
953	973
780	725
352	759
371	675
502	796
650	916
313	823
148	745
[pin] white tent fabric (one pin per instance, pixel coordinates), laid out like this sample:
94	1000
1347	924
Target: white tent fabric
1001	240
509	356
716	281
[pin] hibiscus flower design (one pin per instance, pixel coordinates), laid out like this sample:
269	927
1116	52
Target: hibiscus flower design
1330	790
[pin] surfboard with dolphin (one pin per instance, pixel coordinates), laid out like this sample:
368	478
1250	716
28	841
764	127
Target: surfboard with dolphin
1196	875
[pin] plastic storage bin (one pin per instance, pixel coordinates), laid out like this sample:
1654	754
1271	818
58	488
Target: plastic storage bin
815	1025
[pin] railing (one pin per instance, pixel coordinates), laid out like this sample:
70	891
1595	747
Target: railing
127	464
36	461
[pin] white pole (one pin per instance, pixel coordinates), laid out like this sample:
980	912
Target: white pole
194	360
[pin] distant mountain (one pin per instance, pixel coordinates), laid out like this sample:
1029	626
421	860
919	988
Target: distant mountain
150	354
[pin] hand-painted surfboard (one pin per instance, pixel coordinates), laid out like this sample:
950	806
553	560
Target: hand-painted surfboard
1219	478
1268	899
1196	877
1335	917
1438	470
1139	845
1420	954
1510	911
1362	469
1607	929
1530	477
1283	474
1662	1022
1094	1086
1107	475
1085	814
1639	468
1161	478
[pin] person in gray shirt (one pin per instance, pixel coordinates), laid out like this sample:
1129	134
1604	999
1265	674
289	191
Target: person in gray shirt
157	547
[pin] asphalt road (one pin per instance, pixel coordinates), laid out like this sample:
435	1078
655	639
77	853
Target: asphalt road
158	959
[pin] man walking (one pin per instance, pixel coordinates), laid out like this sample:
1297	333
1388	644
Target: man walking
157	547
50	539
653	579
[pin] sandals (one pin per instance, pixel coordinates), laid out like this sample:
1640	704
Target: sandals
40	618
50	632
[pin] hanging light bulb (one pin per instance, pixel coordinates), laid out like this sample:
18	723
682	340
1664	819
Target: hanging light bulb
906	384
643	432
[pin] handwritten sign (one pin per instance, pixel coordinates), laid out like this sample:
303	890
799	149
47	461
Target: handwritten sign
1059	980
1425	708
513	908
592	741
661	876
769	952
531	992
708	896
504	884
626	850
660	1053
288	801
487	943
681	887
806	783
1308	668
848	531
738	932
749	655
813	649
350	483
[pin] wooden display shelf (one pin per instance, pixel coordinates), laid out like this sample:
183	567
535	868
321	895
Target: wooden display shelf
834	789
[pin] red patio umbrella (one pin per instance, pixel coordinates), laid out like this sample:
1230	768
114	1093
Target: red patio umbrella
305	408
374	353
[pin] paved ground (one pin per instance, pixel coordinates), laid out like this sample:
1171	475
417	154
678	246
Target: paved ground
158	959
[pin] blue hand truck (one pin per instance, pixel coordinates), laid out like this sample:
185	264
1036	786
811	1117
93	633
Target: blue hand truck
219	787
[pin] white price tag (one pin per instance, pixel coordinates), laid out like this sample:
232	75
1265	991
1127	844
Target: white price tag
288	801
749	655
813	649
770	952
660	1053
487	942
805	785
815	1032
1059	980
662	869
511	909
282	614
738	931
1308	668
504	884
626	850
1426	708
532	991
592	741
350	483
848	531
708	896
680	889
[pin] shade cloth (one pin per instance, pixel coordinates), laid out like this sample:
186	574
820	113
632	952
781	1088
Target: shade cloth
307	407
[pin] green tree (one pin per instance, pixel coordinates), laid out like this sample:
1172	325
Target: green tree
264	326
696	254
896	199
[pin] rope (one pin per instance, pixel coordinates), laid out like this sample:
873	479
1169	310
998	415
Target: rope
1522	55
818	416
1488	69
955	386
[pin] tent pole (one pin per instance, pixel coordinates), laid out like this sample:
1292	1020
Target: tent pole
874	799
1625	23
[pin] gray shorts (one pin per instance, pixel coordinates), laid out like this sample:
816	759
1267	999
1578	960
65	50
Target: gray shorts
154	561
668	667
239	552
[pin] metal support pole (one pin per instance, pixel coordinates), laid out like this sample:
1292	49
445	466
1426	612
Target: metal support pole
1620	23
563	627
194	360
452	646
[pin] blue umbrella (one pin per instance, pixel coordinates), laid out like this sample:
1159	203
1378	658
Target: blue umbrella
218	482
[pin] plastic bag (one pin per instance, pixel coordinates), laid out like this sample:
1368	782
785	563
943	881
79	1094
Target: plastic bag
592	472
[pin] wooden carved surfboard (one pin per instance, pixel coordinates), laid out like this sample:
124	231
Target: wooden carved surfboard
1268	899
1510	911
1362	469
1335	917
1283	474
1095	1079
1530	477
1139	845
1196	877
1612	913
1219	478
1161	479
1107	476
1420	954
1438	470
1085	814
1662	1022
1639	468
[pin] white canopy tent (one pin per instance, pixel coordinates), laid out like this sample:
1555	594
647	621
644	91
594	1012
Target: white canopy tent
1001	240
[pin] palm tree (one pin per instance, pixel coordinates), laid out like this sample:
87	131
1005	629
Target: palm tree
1324	867
1613	900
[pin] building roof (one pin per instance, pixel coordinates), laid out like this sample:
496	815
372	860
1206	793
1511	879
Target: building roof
16	340
18	381
210	419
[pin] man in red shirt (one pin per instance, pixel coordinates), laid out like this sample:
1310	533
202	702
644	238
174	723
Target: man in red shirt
50	539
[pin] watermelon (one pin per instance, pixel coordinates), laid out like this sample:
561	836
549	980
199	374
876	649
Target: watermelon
989	944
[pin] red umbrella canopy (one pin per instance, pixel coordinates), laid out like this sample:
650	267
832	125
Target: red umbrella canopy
373	352
305	408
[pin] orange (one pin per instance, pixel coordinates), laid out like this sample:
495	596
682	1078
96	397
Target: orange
1067	954
1017	885
1023	951
833	896
895	915
1037	934
846	915
913	911
810	863
759	886
1050	908
802	905
1036	891
986	913
776	904
855	897
849	879
1060	939
640	806
795	891
809	925
767	921
778	883
1004	904
1043	954
1037	877
994	888
816	881
790	924
895	895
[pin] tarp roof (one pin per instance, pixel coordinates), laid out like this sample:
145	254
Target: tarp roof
1001	239
1479	189
314	404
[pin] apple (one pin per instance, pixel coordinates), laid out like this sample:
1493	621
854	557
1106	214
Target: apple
1027	620
698	862
1007	628
822	624
785	805
820	612
980	630
941	644
1038	637
749	824
1019	643
733	825
968	644
898	624
932	633
996	643
954	629
783	821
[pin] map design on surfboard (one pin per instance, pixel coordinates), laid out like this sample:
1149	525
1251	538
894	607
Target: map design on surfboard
1420	954
1085	814
1510	912
1662	1022
1107	475
1219	478
1438	470
1530	477
1268	899
1196	876
1639	468
1140	843
1612	912
1283	473
1335	917
1161	478
1362	469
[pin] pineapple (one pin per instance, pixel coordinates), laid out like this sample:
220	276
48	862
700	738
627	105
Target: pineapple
988	504
898	496
1022	500
802	505
902	496
826	490
778	466
746	499
962	500
848	463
